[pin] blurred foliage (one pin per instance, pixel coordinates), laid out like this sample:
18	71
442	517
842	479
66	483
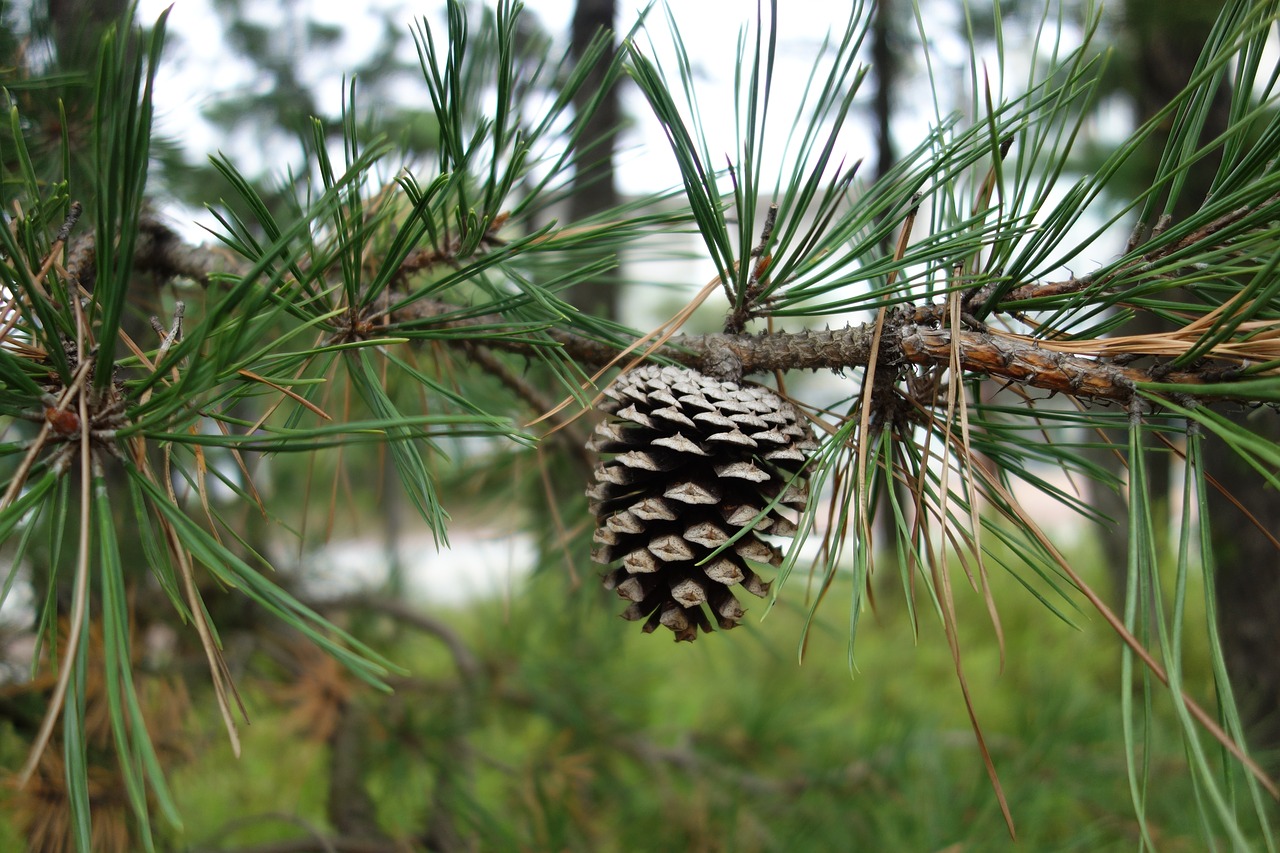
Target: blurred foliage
384	318
570	734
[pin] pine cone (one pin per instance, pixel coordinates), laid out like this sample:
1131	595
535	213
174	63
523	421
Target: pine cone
690	461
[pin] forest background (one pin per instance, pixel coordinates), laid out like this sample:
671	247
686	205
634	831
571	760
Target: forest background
527	716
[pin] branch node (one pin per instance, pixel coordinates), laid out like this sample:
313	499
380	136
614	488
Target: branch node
719	360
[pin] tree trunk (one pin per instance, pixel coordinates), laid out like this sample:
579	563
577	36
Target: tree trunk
1247	578
77	27
885	66
594	185
1247	564
1166	39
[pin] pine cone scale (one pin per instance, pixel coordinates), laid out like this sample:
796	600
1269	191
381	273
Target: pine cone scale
692	470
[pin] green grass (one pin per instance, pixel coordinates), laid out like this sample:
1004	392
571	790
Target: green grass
584	734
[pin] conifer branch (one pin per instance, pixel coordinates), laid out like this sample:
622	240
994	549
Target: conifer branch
1015	359
914	335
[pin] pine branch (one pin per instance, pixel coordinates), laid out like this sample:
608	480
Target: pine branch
469	666
158	250
912	336
573	440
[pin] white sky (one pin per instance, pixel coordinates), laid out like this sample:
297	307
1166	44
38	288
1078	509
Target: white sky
197	71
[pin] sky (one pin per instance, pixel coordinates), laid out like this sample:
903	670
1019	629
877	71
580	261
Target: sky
198	71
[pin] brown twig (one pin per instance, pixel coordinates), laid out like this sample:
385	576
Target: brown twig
159	249
572	438
319	844
348	805
469	666
910	338
1207	230
1039	290
757	277
1015	358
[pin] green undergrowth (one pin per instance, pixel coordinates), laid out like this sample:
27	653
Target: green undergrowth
580	733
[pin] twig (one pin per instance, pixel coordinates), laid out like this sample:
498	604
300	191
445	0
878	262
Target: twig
318	844
999	356
468	664
1207	230
73	216
573	439
158	250
757	276
348	805
1016	358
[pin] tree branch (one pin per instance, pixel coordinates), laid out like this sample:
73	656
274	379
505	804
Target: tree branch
912	335
348	805
330	844
469	666
1016	359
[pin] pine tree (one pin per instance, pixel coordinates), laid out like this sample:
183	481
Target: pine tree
374	311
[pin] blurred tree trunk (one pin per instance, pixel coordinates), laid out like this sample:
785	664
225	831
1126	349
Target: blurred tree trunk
1165	41
885	66
594	183
1169	38
1248	585
77	27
